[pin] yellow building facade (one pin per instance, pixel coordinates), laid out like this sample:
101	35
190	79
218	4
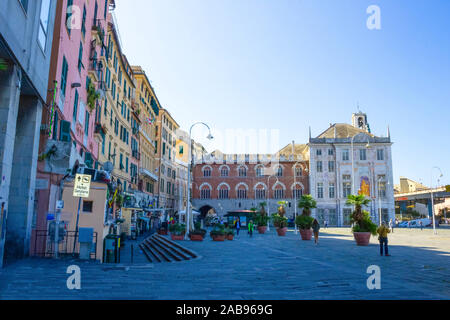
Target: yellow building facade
117	112
148	107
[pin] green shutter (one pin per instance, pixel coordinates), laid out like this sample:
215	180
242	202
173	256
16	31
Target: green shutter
64	133
88	160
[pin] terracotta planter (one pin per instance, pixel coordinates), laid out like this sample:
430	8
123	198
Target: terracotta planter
230	237
282	231
196	237
162	232
362	238
262	230
306	234
218	238
175	237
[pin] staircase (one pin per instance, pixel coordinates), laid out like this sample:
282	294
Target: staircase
158	249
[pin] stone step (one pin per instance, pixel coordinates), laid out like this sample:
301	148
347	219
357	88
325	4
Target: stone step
151	252
157	250
168	252
177	246
180	253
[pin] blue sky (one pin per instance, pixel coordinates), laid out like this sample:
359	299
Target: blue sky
291	64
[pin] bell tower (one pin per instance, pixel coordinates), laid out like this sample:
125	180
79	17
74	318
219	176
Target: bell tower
359	120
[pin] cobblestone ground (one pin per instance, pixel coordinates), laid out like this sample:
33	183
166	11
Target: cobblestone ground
262	267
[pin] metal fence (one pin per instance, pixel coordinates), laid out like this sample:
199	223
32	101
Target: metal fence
44	245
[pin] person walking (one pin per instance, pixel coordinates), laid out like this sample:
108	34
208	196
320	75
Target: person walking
326	224
237	225
250	228
383	238
316	228
391	226
421	225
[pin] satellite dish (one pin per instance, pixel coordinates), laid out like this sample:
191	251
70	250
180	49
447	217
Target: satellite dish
108	167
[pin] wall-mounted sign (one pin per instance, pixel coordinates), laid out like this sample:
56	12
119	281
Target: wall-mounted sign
82	185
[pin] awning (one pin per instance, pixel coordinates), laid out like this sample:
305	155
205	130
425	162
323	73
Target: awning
183	212
239	213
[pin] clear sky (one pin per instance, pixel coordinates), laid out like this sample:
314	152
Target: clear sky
291	64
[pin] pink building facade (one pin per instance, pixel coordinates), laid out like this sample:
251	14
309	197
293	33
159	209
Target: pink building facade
70	132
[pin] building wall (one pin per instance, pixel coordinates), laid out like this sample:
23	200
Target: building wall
118	110
27	52
214	182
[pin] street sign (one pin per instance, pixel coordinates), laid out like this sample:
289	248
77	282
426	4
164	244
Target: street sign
82	185
59	204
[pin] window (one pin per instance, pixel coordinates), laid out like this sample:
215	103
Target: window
319	166
242	172
83	23
345	155
24	4
260	171
318	152
43	23
69	16
297	193
346	186
126	164
347	213
331	166
161	186
298	172
380	154
205	193
320	190
242	194
331	191
362	154
207	172
86	125
280	172
80	57
65	70
260	194
279	194
75	107
381	186
88	206
224	172
330	152
223	194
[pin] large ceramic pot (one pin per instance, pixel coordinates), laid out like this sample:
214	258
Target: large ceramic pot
175	237
282	231
262	229
196	237
218	237
362	238
230	237
306	234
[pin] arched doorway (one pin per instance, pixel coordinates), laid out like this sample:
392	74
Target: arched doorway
205	210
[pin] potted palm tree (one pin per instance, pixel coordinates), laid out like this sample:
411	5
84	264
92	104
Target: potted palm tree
177	231
304	221
229	234
363	226
262	219
198	234
218	233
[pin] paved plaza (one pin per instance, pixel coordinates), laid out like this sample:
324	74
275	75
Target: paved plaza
262	267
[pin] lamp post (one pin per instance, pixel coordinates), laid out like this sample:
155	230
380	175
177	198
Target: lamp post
432	199
368	146
268	199
188	206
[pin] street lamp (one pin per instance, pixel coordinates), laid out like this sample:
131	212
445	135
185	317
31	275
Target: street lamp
188	207
268	199
368	146
432	199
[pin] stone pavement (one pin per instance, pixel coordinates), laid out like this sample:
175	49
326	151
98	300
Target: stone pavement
263	267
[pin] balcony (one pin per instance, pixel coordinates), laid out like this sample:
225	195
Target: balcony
136	154
147	173
136	131
98	29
